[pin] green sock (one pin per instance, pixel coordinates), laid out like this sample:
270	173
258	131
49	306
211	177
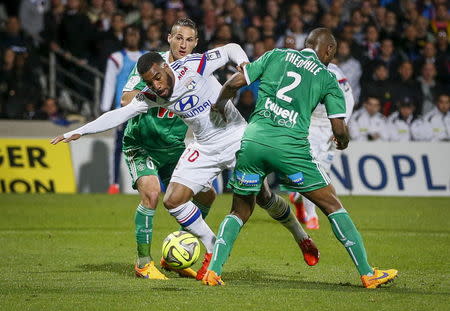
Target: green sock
228	232
204	209
346	232
144	230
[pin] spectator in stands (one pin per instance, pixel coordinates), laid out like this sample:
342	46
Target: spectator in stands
31	15
329	21
441	19
14	36
105	19
252	35
268	27
295	29
371	45
380	86
50	111
260	49
388	56
429	86
407	86
427	56
347	35
423	35
409	45
367	123
357	23
94	11
6	74
390	27
246	103
238	24
310	12
223	35
22	86
443	57
438	120
52	21
153	40
76	33
207	29
128	8
110	40
350	66
145	16
403	125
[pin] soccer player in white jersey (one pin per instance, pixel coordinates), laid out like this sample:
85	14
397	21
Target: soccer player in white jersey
322	147
188	88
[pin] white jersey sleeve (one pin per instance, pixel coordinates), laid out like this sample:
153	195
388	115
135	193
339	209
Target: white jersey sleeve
319	116
214	59
113	67
112	118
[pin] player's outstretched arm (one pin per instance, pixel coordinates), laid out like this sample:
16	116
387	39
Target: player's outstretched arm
105	122
228	91
340	132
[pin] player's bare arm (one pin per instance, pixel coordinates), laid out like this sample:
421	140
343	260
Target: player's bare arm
105	122
340	132
228	91
127	97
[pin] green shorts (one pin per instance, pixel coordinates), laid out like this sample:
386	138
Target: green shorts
296	168
142	162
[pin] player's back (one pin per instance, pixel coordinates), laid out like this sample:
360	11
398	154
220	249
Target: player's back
292	84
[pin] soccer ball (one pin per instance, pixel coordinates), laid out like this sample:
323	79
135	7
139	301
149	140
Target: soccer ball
180	249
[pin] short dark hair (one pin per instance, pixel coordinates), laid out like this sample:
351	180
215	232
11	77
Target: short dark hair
185	22
147	60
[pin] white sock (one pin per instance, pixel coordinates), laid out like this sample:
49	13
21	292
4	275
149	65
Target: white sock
297	195
279	210
310	208
190	217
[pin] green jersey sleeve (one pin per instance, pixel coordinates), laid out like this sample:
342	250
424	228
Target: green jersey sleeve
254	70
134	81
332	97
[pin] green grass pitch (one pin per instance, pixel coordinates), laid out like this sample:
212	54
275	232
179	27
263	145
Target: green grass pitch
76	252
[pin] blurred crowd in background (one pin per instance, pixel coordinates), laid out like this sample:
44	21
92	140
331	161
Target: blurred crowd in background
395	54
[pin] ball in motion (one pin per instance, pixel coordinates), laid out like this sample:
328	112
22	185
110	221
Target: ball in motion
180	249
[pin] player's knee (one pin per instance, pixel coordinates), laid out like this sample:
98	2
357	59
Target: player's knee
172	201
150	199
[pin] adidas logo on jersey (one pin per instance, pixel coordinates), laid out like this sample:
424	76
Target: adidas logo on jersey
291	115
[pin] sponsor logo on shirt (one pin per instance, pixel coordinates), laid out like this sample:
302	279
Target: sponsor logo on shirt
296	178
213	55
198	109
186	103
247	179
281	116
182	72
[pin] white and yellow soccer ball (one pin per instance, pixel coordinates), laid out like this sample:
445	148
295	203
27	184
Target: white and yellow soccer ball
180	249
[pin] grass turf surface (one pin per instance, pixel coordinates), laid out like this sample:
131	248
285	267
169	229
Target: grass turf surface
68	252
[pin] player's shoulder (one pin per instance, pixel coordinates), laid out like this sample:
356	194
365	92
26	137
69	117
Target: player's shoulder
189	61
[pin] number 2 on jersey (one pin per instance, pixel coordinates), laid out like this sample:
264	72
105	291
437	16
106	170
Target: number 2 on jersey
281	92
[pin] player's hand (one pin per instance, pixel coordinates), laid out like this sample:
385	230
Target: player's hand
59	138
340	144
240	67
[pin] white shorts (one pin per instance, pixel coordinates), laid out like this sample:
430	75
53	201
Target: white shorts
200	164
322	147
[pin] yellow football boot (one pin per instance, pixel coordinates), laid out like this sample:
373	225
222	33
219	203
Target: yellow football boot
212	279
149	271
186	273
378	278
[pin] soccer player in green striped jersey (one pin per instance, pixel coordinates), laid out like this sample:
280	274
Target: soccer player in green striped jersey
276	140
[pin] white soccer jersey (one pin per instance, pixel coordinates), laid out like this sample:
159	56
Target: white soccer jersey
319	116
195	91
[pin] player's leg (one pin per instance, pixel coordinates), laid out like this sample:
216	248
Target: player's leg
203	200
149	189
300	212
279	209
345	231
144	172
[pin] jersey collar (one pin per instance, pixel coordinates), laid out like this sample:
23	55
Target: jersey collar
310	51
